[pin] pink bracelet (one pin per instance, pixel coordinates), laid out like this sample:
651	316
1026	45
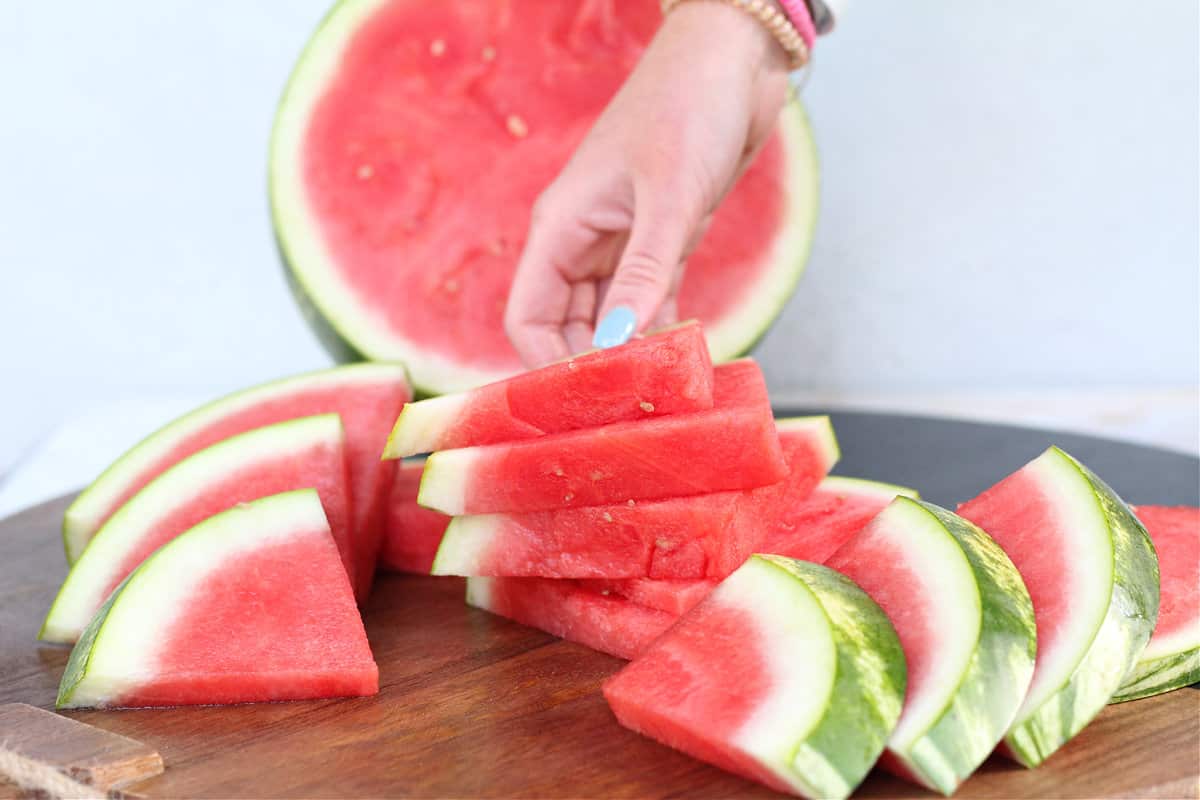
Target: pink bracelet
801	19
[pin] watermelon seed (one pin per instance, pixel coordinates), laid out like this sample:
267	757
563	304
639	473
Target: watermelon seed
568	498
450	285
365	172
645	406
631	503
516	126
558	471
489	53
664	544
607	517
437	47
597	475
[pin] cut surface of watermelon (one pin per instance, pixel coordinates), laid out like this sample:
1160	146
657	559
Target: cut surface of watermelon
730	446
966	624
1093	576
411	533
1172	658
665	373
306	453
681	537
251	605
787	674
411	143
367	396
565	609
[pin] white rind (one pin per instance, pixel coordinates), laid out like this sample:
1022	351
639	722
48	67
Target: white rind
820	430
466	542
84	589
125	650
862	487
96	500
444	482
422	424
1173	644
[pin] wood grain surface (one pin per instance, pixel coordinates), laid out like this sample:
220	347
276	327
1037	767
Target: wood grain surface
472	705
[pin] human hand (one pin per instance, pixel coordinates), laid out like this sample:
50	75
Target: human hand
608	238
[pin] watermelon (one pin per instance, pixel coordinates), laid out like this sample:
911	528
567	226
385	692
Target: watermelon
297	454
787	674
250	605
567	610
411	142
368	397
666	373
810	530
1172	658
1092	574
966	624
730	446
411	534
693	537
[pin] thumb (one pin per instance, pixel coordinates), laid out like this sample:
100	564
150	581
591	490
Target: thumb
642	280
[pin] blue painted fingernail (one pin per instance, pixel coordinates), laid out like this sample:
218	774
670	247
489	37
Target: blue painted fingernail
616	327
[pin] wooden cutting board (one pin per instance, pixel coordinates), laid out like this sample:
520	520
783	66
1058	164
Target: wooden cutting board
472	705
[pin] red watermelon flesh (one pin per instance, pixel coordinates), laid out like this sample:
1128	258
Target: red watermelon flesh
411	533
731	446
692	537
676	596
425	150
565	609
251	605
367	397
302	453
1175	532
665	373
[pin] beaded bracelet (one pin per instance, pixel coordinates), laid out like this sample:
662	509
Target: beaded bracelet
775	21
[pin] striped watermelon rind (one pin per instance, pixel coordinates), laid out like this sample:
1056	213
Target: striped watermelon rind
1160	675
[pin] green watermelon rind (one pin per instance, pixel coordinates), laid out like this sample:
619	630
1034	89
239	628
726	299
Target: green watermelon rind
343	329
992	687
1160	675
1116	645
867	692
78	525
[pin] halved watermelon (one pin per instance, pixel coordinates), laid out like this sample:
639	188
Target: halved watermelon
408	149
411	533
250	605
368	397
1093	576
567	610
966	624
668	372
305	453
687	537
730	446
1172	658
787	674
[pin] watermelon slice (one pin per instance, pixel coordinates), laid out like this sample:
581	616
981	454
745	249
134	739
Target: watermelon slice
666	373
297	454
1093	576
966	624
731	446
694	537
407	152
411	533
810	530
787	674
1172	658
250	605
368	397
567	610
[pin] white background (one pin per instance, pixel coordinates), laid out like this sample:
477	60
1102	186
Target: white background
1009	205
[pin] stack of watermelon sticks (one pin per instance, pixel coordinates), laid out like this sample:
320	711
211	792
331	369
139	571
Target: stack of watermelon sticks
792	627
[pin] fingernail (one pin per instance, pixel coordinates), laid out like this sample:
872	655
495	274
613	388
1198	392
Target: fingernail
616	327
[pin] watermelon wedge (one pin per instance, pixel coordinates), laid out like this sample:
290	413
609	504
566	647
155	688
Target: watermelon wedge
368	397
810	530
250	605
652	376
693	537
787	674
1093	576
411	142
565	609
304	453
1172	658
966	624
411	533
730	446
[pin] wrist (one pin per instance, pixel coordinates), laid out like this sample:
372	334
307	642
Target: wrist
725	27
